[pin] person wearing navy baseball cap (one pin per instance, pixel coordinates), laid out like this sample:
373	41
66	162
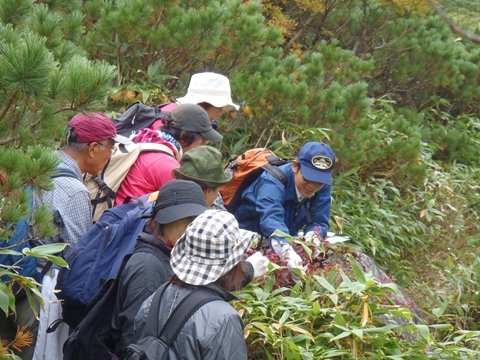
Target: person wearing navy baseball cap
269	204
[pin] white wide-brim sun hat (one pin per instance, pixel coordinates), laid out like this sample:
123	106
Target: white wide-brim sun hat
211	246
211	88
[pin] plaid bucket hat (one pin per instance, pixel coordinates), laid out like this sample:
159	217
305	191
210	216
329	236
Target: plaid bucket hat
211	246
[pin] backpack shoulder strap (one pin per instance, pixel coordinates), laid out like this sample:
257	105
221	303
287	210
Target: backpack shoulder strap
183	311
64	172
151	326
276	173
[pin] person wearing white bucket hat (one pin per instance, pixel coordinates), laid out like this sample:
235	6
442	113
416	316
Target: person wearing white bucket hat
208	255
209	90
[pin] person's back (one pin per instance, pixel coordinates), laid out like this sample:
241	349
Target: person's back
178	203
215	331
89	142
189	128
145	271
208	255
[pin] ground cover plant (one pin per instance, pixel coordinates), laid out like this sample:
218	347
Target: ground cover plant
331	315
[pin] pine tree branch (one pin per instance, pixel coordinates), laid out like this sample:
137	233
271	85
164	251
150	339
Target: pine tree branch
7	140
454	27
10	103
234	63
71	108
299	33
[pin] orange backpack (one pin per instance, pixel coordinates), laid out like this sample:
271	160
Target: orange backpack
246	169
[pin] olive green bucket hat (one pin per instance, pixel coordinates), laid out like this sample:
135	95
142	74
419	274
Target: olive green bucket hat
203	165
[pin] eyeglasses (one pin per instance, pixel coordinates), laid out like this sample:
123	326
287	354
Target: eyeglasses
113	150
309	181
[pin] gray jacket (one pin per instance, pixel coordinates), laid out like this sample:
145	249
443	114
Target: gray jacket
147	269
215	331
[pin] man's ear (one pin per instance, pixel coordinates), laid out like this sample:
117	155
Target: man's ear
295	166
92	149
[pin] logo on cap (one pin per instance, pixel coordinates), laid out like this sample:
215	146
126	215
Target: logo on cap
322	162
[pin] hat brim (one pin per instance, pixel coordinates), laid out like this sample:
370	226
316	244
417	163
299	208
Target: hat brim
194	273
324	177
212	135
176	212
225	179
122	140
220	102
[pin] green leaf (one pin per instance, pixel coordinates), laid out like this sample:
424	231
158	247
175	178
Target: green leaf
424	331
438	312
269	356
284	317
10	252
443	327
334	298
338	319
356	270
323	282
56	260
379	330
269	283
341	336
358	333
7	300
145	95
281	234
42	250
392	288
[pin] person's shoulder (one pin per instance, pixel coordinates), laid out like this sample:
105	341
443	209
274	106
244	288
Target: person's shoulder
267	178
70	186
218	311
151	157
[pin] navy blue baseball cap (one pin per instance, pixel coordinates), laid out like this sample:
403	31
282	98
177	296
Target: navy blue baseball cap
317	162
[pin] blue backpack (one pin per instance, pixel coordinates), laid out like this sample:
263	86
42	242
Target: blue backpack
97	256
20	239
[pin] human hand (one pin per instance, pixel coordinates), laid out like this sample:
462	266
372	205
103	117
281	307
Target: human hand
293	259
286	252
259	264
314	238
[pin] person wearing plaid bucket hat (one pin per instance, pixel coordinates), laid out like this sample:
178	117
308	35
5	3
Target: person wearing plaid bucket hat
305	201
177	205
209	255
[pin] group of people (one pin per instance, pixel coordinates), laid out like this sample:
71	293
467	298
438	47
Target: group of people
190	240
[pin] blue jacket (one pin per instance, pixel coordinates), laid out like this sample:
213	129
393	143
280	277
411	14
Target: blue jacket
267	205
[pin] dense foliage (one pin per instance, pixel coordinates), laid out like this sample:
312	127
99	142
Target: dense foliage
386	83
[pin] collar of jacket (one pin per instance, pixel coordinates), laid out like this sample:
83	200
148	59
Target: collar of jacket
224	294
290	191
146	239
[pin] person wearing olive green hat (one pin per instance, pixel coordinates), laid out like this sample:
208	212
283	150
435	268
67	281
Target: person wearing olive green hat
204	166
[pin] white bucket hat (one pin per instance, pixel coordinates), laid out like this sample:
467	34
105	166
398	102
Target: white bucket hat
211	88
211	246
